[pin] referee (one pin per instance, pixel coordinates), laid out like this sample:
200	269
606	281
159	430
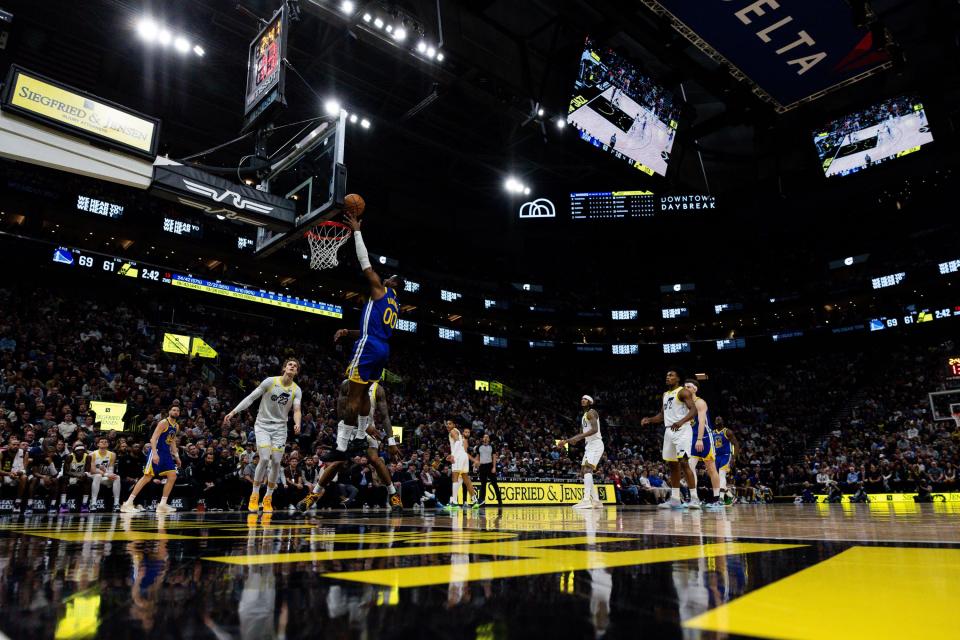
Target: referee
488	469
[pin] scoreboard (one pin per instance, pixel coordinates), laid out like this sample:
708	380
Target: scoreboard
611	205
102	264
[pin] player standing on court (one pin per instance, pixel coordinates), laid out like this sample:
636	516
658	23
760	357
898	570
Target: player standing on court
590	431
677	415
703	445
277	396
162	460
725	445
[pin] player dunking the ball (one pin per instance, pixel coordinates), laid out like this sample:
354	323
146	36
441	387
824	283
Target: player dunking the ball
679	409
277	396
590	432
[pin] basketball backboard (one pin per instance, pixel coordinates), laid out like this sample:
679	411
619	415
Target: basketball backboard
944	403
313	177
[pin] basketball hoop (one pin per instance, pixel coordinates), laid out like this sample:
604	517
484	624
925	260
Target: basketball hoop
325	240
956	418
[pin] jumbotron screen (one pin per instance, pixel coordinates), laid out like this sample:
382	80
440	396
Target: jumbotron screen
891	129
618	109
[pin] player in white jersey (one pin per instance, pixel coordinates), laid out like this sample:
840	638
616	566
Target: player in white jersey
679	409
460	473
277	396
590	432
103	472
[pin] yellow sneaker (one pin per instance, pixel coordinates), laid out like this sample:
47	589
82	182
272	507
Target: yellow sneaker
254	504
268	504
304	505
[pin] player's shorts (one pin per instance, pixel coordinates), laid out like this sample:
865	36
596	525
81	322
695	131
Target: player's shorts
592	454
676	444
368	360
273	436
165	467
723	461
708	452
461	463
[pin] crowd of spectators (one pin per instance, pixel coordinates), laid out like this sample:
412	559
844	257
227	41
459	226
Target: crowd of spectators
58	354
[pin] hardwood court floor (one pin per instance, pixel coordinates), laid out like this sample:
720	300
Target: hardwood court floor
785	571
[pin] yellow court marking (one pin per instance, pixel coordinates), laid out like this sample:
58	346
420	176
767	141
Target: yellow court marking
865	592
526	557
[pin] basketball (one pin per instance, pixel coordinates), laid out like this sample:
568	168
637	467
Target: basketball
353	205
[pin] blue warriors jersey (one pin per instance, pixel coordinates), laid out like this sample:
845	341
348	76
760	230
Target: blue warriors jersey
721	443
380	317
168	438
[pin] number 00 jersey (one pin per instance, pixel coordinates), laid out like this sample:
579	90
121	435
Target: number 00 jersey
371	350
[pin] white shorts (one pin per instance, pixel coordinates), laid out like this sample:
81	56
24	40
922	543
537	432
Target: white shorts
461	463
9	481
677	444
273	436
592	453
345	434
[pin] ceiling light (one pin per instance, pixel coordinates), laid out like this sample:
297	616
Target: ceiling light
181	44
365	123
197	49
400	34
526	191
353	118
561	123
347	6
378	23
431	52
439	56
164	37
332	107
540	112
367	17
147	29
421	46
389	28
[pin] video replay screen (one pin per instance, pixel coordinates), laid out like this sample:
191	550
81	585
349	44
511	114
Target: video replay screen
618	109
891	129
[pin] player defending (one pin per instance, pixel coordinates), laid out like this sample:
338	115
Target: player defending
460	472
103	464
725	445
677	415
277	396
703	445
162	460
371	348
590	432
367	437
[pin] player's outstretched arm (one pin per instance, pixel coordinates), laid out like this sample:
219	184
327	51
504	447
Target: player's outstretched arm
377	290
593	419
261	389
652	419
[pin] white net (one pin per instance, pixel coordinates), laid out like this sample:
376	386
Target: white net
325	240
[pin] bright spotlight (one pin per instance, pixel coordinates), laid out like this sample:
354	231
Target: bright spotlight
540	112
197	49
526	191
164	37
439	56
431	52
378	23
421	46
353	118
561	123
147	29
513	185
367	17
347	6
332	107
181	44
400	34
365	123
389	28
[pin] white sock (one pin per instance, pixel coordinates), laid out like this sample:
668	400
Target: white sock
455	496
588	486
270	490
723	480
163	500
675	493
716	492
256	491
391	489
63	498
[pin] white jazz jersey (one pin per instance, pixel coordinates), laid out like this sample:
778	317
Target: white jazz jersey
104	462
276	401
456	446
585	426
673	408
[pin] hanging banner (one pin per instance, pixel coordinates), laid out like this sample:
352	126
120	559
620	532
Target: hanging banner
791	51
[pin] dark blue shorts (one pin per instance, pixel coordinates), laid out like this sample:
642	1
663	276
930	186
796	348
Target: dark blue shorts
368	360
166	466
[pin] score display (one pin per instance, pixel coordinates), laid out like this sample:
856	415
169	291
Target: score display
953	366
612	205
131	269
266	69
